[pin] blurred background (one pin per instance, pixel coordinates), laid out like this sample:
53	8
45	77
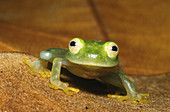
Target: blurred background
140	28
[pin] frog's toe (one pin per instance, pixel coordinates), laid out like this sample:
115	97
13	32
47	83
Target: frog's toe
45	73
32	72
118	97
64	87
142	98
26	62
138	98
73	89
30	64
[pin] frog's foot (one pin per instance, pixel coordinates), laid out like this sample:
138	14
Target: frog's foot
135	99
64	87
38	66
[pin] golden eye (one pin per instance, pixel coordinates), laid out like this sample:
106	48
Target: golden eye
75	45
112	49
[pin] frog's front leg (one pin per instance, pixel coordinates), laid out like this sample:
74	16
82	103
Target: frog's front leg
55	78
129	86
40	65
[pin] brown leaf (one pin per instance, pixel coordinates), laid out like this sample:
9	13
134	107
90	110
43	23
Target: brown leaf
140	28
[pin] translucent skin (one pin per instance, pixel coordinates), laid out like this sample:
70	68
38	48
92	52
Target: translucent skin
92	62
93	54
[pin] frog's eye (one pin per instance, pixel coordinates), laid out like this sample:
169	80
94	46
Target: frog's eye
75	45
112	49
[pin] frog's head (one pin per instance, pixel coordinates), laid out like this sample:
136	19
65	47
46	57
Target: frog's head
92	53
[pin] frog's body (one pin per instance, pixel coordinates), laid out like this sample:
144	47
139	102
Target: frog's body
90	60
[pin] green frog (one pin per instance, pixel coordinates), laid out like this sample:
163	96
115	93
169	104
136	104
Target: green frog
87	59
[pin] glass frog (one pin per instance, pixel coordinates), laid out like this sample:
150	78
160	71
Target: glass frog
87	59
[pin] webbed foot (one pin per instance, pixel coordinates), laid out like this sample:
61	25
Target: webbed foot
64	87
38	66
135	99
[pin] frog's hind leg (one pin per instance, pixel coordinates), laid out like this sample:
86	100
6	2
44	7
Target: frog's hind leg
120	79
38	66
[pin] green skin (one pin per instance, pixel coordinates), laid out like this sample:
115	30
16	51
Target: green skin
91	62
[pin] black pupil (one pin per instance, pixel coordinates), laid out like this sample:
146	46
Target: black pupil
72	43
114	48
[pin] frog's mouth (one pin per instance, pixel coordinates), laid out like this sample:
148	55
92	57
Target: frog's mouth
93	63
